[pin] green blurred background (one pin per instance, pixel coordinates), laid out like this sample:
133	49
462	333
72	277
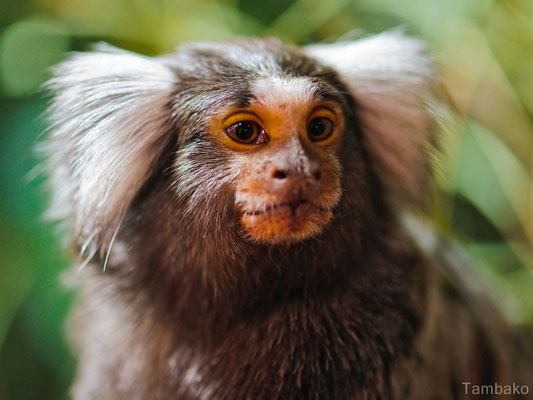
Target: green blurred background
484	51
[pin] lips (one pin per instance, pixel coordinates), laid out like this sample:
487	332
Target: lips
294	206
286	221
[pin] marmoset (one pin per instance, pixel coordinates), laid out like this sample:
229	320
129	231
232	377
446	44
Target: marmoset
244	215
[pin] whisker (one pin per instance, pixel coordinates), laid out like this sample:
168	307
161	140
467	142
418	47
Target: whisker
110	247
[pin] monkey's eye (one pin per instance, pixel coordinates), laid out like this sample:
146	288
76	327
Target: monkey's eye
244	131
319	128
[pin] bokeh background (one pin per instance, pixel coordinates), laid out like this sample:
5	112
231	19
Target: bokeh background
484	52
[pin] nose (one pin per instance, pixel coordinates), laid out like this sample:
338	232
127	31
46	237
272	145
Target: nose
280	174
295	168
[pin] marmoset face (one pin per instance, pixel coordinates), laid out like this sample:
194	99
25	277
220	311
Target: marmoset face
270	135
284	144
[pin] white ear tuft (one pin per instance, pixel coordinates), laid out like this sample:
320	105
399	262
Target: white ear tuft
110	123
394	86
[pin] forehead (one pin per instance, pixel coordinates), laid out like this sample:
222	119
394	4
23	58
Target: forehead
280	91
217	76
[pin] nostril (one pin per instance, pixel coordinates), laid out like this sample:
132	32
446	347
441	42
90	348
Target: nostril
279	174
317	175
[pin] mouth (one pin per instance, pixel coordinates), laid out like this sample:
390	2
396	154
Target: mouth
293	206
286	221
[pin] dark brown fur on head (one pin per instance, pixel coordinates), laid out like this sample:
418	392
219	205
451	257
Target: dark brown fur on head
278	269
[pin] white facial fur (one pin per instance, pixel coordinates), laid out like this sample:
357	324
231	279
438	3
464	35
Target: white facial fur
394	84
275	91
109	126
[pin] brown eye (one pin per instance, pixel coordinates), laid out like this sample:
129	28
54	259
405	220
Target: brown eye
244	131
319	128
